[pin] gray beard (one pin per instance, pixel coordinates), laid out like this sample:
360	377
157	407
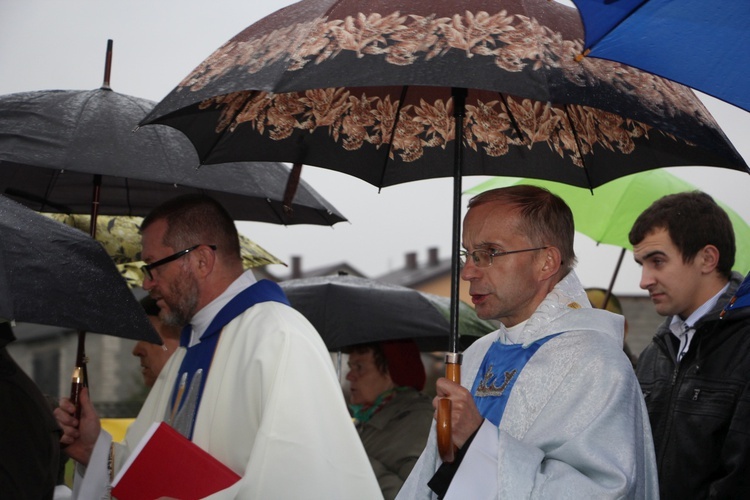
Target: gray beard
185	290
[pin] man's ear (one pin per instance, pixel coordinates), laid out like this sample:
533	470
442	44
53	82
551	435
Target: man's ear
552	262
709	256
205	260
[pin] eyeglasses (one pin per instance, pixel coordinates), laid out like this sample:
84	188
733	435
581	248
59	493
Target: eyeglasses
483	258
166	260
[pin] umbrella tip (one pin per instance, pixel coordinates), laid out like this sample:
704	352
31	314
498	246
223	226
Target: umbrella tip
107	66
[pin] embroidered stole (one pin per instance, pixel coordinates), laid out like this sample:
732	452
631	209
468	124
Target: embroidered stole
188	388
497	375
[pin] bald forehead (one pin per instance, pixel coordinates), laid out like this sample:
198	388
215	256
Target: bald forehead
494	213
491	223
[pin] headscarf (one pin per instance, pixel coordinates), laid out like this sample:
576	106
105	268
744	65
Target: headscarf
404	363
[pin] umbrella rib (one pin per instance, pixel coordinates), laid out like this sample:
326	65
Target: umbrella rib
128	201
613	28
401	100
226	129
512	119
42	200
579	149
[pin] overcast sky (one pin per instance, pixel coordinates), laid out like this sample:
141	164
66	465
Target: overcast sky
52	44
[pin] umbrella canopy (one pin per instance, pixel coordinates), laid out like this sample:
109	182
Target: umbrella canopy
121	237
607	213
366	89
348	310
700	44
55	275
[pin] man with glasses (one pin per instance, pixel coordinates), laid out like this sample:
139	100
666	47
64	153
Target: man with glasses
251	383
548	405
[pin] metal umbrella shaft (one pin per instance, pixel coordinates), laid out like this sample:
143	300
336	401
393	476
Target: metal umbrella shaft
612	281
453	356
80	378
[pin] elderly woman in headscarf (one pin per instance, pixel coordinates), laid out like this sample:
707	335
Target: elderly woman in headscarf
391	413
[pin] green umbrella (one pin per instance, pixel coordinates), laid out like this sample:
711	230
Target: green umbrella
607	213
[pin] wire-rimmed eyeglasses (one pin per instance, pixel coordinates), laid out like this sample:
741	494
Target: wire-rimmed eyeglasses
483	258
166	260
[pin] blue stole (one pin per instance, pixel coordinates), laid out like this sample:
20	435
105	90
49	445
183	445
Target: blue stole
497	375
197	361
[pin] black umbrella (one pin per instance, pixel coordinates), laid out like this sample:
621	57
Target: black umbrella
380	90
348	310
52	274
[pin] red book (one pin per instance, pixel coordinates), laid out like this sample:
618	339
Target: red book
167	464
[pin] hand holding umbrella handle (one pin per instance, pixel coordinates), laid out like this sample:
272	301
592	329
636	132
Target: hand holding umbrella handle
446	448
80	378
76	385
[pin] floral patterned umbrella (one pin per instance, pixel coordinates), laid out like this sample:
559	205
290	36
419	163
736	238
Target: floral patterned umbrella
380	90
366	88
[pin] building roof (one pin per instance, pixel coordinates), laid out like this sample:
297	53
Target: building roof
297	272
414	273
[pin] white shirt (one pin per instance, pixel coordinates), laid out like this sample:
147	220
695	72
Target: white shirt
685	329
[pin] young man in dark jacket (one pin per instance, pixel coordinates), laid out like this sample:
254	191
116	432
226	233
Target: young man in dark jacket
695	374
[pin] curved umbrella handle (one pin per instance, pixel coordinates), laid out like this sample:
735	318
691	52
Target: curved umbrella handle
446	448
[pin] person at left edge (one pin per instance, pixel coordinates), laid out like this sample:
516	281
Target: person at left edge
260	394
29	441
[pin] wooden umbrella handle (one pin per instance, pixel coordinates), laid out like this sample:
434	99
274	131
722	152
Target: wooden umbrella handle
446	448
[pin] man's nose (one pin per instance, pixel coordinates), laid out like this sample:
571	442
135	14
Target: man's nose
469	270
647	279
138	349
148	283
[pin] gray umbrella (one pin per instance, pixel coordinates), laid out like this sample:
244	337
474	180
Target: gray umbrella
60	149
348	310
56	275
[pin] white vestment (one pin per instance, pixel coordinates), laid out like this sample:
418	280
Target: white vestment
575	425
272	410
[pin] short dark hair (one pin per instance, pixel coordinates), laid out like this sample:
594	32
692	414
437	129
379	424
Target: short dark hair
693	220
546	218
195	219
378	354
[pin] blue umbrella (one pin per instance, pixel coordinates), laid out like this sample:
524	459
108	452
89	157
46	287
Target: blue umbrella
702	44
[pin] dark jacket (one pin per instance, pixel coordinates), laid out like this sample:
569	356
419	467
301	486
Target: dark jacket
29	434
700	408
